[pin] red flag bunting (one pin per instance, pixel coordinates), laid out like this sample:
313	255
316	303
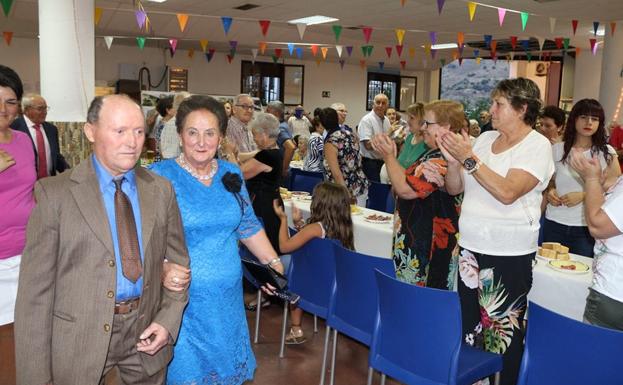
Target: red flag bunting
513	41
367	33
8	36
389	51
278	52
558	42
314	49
399	50
574	24
264	24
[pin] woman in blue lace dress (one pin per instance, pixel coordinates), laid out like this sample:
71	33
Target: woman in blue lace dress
213	345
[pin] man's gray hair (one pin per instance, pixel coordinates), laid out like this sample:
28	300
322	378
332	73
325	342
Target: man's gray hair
240	96
93	114
338	106
28	100
276	105
265	123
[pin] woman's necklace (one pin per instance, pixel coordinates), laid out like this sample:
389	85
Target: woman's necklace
213	168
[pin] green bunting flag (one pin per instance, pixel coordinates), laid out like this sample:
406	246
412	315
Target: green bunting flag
337	30
141	42
6	6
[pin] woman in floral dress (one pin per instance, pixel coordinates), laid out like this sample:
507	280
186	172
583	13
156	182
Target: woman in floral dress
342	159
503	176
427	220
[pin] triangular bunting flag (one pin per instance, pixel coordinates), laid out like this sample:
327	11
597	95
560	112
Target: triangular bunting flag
262	46
541	42
324	51
411	51
381	65
494	46
147	24
337	31
254	53
232	52
182	19
233	44
172	45
226	21
140	41
525	44
6	6
460	38
511	55
204	44
593	46
471	7
399	50
264	24
8	36
364	50
362	64
613	26
565	43
403	64
98	15
400	35
501	14
191	53
342	63
301	28
577	52
488	40
370	48
140	18
339	48
595	27
389	51
476	52
558	41
513	42
460	49
229	58
299	52
529	55
461	61
278	52
574	25
349	50
552	24
318	61
367	33
402	3
291	48
440	5
524	20
108	40
427	48
433	37
210	54
314	49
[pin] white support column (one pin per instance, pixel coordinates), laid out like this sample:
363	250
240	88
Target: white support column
67	57
611	87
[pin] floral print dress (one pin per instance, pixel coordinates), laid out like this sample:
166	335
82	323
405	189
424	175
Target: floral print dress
349	160
426	226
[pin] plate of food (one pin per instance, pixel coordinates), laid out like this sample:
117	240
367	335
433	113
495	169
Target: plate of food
285	194
355	210
569	267
378	218
550	251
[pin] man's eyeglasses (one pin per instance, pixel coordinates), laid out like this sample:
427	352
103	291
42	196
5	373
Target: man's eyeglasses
343	111
10	102
426	123
245	106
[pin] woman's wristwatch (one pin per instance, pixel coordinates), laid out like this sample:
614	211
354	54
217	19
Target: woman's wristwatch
472	164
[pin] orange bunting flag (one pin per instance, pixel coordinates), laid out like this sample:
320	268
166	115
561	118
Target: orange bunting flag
204	44
460	38
324	51
191	53
471	7
262	47
455	55
402	3
412	52
400	35
264	24
494	45
98	15
318	60
577	52
613	25
574	25
8	36
362	64
182	19
314	49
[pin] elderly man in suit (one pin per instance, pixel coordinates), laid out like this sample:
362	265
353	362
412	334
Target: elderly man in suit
44	135
90	295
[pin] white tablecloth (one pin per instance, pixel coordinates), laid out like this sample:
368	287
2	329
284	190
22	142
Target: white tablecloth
560	292
370	238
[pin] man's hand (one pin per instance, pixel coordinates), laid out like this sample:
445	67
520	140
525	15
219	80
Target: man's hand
154	338
175	277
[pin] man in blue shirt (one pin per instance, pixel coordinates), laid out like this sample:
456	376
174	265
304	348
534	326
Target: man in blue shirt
284	140
90	293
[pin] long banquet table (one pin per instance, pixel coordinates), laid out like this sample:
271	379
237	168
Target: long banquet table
370	238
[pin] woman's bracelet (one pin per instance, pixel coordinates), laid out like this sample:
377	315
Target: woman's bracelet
274	261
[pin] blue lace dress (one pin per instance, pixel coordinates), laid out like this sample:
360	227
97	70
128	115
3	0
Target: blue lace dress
213	346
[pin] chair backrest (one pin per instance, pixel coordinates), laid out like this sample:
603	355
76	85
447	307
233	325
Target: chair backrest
353	306
560	350
417	333
311	274
378	196
301	180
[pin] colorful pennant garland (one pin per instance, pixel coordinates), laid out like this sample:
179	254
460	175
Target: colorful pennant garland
226	21
108	40
471	7
524	20
264	25
182	19
8	36
301	28
141	42
501	14
204	44
400	35
98	15
324	51
6	6
337	31
367	34
574	26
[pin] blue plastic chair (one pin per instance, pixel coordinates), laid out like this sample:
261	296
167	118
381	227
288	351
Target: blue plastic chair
418	338
311	275
378	196
353	305
301	180
560	350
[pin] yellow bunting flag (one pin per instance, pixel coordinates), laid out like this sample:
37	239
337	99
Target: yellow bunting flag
98	15
262	47
191	53
412	52
427	48
324	51
204	44
182	19
400	35
471	7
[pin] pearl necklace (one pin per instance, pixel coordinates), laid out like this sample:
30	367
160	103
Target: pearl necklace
213	168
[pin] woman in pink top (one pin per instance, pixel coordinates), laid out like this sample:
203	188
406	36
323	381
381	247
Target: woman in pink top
17	178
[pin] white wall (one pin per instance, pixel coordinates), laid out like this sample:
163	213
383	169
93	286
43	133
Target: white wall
587	75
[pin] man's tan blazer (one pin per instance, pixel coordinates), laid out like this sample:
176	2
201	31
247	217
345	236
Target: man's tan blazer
66	296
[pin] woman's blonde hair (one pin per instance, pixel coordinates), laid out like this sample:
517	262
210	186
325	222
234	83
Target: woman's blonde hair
447	112
331	206
416	109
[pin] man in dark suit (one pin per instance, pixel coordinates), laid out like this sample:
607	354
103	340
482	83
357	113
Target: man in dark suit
43	134
90	294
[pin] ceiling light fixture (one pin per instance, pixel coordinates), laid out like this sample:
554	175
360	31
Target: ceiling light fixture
157	1
443	46
313	20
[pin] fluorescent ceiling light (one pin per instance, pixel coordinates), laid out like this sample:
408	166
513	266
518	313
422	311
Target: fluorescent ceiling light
600	31
312	20
443	46
157	1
